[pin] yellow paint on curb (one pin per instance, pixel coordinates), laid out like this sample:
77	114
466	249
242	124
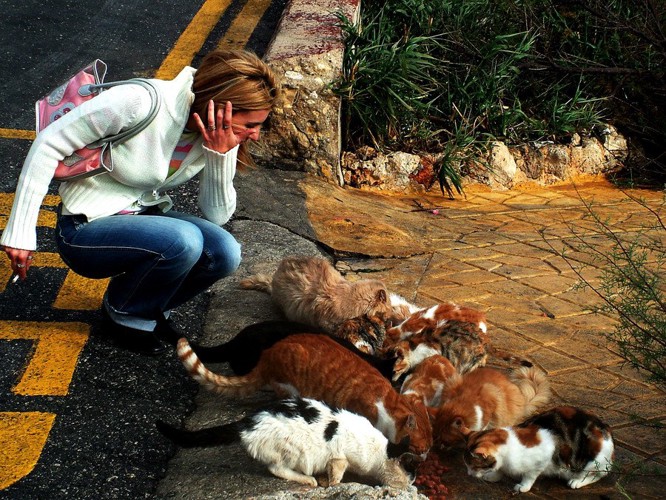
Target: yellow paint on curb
244	24
22	439
51	367
10	133
192	39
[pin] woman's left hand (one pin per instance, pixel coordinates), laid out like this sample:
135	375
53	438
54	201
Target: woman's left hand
218	134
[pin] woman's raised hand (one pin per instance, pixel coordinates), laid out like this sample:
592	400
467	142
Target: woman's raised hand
218	134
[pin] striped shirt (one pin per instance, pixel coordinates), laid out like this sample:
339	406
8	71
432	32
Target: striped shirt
182	149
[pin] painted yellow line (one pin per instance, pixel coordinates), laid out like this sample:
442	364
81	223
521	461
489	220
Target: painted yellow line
244	24
80	294
76	293
192	39
51	367
22	439
10	133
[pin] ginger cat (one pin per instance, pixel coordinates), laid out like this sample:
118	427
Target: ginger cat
485	398
243	351
432	318
317	367
428	380
310	290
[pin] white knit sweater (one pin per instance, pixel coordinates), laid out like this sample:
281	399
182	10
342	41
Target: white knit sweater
141	164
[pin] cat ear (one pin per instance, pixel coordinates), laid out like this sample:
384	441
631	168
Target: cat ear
380	297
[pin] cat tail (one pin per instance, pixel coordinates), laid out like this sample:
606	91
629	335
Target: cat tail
243	385
534	386
261	282
212	436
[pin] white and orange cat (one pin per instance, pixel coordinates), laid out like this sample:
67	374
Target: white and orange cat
310	290
317	367
486	398
564	442
432	318
428	380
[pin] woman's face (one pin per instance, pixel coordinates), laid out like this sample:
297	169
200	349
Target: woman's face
247	124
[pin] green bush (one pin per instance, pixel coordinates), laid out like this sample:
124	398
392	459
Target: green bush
631	284
446	76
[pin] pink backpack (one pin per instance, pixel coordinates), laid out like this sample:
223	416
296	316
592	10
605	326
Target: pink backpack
86	84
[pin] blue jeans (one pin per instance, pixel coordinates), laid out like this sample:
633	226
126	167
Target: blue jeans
156	262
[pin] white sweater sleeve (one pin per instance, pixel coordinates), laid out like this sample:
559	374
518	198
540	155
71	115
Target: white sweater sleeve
107	114
217	195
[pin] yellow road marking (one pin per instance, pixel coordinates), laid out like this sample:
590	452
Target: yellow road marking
191	40
50	369
22	438
244	24
80	294
10	133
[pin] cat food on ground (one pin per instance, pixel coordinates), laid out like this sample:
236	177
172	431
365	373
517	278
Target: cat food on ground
429	477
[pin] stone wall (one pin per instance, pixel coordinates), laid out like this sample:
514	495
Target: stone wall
306	54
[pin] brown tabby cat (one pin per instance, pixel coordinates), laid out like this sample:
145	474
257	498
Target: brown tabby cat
366	332
486	398
310	290
428	380
317	367
564	442
433	317
463	343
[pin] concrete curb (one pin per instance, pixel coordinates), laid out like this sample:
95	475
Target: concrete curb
306	53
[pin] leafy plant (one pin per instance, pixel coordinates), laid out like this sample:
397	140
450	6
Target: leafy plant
418	75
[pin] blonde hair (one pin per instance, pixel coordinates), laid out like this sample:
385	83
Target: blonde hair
238	76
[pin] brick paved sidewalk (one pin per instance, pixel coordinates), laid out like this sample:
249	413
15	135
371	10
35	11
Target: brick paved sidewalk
498	252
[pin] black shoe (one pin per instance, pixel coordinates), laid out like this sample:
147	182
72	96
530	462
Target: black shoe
166	332
131	339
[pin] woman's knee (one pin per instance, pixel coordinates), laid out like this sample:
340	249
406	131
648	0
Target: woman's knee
224	256
186	245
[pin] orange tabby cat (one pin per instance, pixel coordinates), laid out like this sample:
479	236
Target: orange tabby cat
486	398
310	290
317	367
428	380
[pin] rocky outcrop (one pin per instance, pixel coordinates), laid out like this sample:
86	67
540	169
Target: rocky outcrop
500	167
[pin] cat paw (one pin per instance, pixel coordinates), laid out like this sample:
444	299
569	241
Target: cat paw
309	481
522	488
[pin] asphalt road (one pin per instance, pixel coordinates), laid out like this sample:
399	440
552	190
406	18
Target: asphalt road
76	413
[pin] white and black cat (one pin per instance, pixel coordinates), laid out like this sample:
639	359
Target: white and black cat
564	442
300	438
